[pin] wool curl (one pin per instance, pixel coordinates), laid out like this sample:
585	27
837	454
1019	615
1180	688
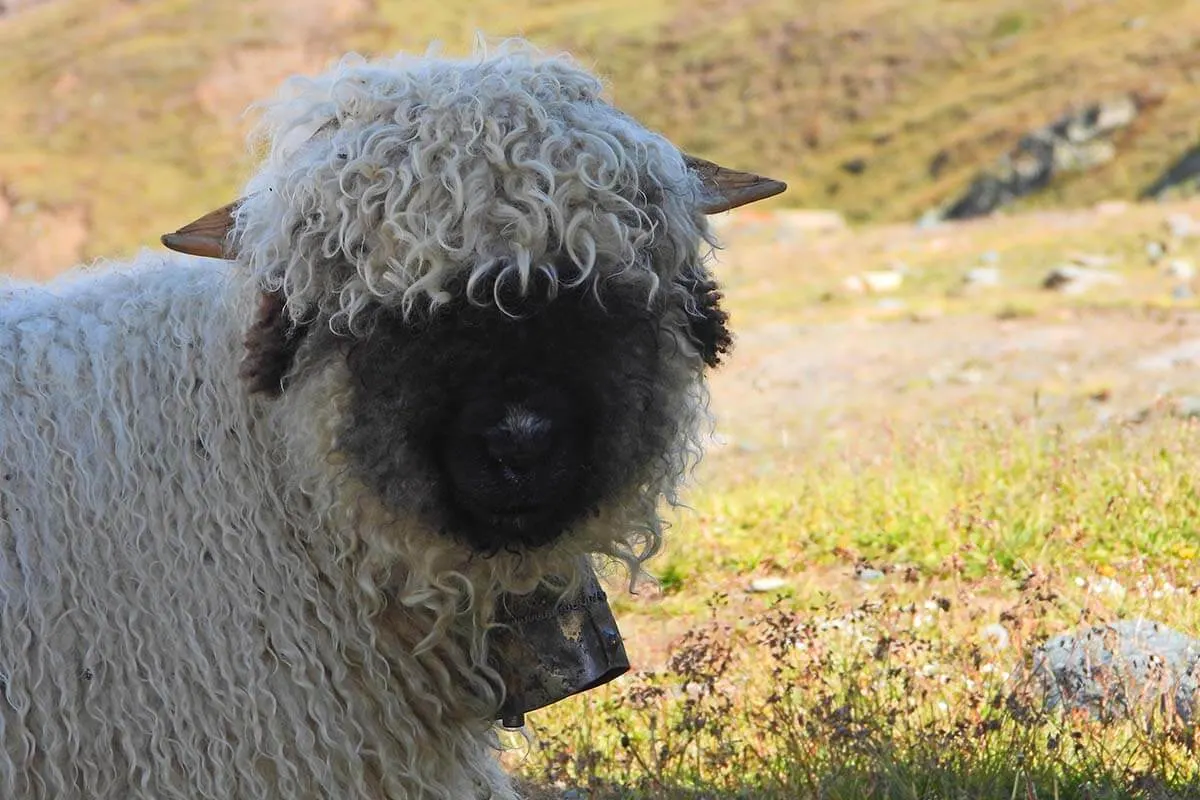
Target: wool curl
403	181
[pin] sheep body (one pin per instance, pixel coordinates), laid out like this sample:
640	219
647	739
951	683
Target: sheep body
252	533
163	630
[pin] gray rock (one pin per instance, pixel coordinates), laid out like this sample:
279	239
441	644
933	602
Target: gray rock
1093	260
875	281
1187	407
1182	292
1182	177
1181	269
1155	251
1075	142
867	574
1072	279
982	277
1182	226
1110	670
1183	354
769	584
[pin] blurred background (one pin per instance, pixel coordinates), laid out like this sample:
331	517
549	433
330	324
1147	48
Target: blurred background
962	413
121	118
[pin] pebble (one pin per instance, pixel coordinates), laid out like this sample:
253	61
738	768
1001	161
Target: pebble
770	584
868	574
982	276
1071	279
1181	269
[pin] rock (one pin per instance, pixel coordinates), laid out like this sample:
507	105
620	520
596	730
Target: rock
1071	279
890	304
1182	292
982	276
1187	407
989	257
1113	669
1184	354
1092	260
770	584
1181	269
876	282
883	280
968	377
867	574
855	166
1073	143
1182	226
1155	251
1182	177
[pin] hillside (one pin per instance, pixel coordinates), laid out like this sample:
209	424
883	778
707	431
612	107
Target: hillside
120	120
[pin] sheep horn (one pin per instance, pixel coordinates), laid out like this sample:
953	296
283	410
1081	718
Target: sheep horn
207	236
725	188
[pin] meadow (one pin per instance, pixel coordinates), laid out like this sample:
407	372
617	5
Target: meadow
910	492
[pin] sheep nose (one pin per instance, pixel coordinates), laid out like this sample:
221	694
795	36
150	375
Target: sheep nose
520	439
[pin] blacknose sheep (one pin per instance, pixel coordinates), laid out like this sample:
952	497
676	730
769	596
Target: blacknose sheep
257	511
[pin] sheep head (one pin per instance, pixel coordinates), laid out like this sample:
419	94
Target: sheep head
510	274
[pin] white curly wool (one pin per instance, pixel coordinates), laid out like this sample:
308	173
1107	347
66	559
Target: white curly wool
173	624
434	171
196	599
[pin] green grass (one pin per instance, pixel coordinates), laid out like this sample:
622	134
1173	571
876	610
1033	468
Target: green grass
891	689
101	105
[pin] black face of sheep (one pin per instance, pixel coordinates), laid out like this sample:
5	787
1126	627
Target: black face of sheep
504	417
520	419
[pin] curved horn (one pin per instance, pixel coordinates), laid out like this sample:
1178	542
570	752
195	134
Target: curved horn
207	236
726	188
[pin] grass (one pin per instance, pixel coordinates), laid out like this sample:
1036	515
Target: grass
110	106
928	543
897	687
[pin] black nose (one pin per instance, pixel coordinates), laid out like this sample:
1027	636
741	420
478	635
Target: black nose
520	439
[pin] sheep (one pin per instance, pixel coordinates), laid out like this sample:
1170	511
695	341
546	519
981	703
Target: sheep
261	495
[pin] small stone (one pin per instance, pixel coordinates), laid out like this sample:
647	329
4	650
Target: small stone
769	584
1182	292
982	276
1188	407
867	574
969	377
1155	250
1071	279
1093	260
989	257
1182	226
890	304
1181	269
883	280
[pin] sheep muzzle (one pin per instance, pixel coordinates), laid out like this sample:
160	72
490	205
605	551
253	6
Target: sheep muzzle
549	649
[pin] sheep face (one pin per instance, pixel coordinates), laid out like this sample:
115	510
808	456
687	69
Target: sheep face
506	427
509	273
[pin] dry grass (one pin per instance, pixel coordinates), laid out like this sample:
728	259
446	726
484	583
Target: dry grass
128	113
989	539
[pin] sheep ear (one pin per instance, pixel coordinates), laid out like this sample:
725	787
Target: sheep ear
207	236
708	322
271	344
725	188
